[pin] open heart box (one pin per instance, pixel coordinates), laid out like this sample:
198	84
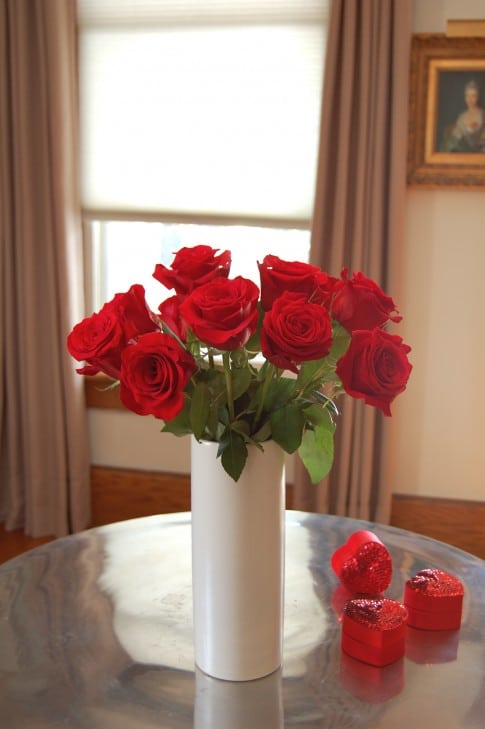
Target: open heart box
363	564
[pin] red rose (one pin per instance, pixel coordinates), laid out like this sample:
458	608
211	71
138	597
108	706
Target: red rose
223	313
170	313
133	313
375	367
193	267
278	276
295	331
154	372
324	289
100	338
359	303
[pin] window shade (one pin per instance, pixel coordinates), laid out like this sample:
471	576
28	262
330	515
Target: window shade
202	107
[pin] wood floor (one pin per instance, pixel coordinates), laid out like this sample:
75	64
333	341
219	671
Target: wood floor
16	542
119	494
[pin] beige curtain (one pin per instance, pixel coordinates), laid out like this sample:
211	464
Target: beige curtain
43	444
358	218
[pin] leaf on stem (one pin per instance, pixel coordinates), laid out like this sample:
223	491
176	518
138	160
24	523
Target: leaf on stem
233	454
241	379
316	449
180	425
287	425
279	392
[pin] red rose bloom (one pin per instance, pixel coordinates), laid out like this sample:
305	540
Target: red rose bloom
324	289
278	276
133	313
295	331
154	372
359	303
193	267
100	338
170	313
375	367
223	313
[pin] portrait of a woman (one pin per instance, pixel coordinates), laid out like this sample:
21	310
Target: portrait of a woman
467	133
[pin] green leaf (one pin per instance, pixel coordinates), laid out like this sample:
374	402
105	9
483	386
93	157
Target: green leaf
241	379
180	425
309	369
199	409
340	344
316	449
234	454
280	391
318	415
287	425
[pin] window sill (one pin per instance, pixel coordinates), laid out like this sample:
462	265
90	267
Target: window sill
98	396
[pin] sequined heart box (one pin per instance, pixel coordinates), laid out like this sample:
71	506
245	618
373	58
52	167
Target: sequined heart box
434	600
374	630
363	564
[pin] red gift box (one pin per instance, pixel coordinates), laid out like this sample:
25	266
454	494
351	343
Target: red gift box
363	564
434	600
374	630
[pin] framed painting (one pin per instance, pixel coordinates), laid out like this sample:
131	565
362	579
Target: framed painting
446	143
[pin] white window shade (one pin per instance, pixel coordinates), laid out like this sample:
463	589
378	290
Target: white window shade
201	109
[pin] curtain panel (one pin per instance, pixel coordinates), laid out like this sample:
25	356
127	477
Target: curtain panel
45	485
358	218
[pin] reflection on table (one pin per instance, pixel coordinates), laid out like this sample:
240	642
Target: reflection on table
96	631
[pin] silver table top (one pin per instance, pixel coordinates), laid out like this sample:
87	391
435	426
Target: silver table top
96	631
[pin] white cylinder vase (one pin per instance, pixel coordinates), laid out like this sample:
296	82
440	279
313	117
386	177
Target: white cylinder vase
238	536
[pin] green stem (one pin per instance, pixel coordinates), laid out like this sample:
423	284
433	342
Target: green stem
268	377
226	358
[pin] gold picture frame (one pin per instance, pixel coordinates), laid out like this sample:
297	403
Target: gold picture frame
446	144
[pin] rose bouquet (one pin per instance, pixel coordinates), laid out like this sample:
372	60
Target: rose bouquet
236	364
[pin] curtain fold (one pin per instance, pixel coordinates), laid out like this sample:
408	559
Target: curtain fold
358	218
45	482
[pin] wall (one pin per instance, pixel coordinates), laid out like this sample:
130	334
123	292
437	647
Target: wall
437	433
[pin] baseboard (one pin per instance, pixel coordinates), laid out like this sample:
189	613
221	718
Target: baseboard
119	494
455	521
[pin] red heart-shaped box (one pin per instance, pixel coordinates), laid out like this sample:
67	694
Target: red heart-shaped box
374	630
363	564
434	600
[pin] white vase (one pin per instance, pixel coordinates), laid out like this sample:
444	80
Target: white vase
238	562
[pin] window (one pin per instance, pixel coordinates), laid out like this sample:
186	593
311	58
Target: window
199	123
125	252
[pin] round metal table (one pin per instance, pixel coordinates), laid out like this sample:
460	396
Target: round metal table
96	632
